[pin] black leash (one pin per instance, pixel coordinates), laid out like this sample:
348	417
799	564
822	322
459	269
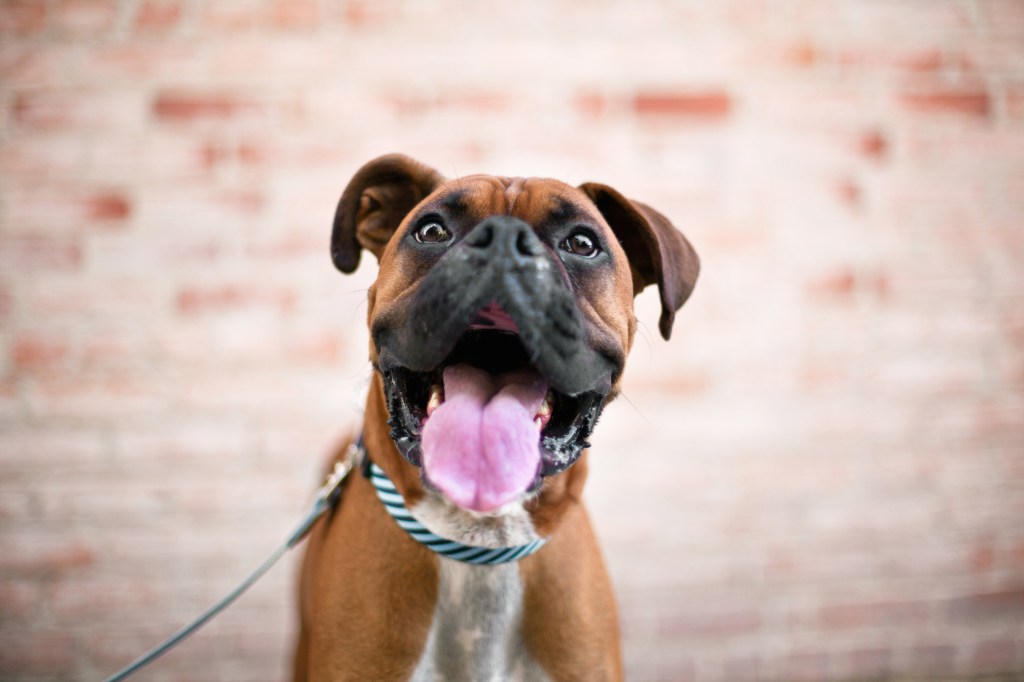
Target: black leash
326	498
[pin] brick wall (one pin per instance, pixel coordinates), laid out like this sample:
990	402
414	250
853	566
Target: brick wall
831	484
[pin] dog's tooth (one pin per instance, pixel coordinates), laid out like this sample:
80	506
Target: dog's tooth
434	400
545	407
539	423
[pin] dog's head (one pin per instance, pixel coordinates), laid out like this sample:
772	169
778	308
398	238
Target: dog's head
502	314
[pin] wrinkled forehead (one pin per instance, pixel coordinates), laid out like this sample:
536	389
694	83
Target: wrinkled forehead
536	201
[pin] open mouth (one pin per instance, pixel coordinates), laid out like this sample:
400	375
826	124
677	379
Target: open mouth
484	425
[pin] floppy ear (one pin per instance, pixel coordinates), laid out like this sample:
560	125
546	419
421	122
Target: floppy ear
658	253
376	200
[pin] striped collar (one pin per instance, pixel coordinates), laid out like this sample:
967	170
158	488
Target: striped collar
395	505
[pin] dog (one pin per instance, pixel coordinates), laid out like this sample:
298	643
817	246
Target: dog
500	322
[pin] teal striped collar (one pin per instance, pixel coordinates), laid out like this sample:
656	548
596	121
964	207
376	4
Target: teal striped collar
395	505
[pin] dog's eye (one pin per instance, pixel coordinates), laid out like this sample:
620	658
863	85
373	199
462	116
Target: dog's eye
432	232
581	244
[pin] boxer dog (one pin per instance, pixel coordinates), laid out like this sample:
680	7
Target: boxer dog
500	322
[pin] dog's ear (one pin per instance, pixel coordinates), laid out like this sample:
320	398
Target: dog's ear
658	253
376	200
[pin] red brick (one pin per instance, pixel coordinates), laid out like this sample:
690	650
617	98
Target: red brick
40	158
191	442
252	153
474	102
107	207
34	352
130	63
992	605
76	109
189	106
112	354
366	13
104	298
850	192
839	283
38	654
100	599
158	15
685	624
85	17
19	600
214	153
1003	15
846	282
874	145
479	102
1013	97
296	13
298	154
29	65
94	398
968	102
46	559
713	105
874	615
22	17
326	348
242	201
238	15
744	668
592	105
24	445
292	245
983	559
802	54
59	211
935	659
921	61
868	664
198	300
806	667
998	655
25	252
194	300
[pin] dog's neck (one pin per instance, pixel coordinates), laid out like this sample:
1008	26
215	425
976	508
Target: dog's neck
508	527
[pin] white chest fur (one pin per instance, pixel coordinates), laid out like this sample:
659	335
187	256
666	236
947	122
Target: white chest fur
476	634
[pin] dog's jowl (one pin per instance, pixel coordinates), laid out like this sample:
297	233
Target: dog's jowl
500	322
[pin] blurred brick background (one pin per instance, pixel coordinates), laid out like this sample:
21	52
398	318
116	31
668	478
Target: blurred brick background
820	478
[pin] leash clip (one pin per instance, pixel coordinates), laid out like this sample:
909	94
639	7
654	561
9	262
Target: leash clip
327	497
331	488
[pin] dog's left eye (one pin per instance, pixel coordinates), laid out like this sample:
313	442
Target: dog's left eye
581	244
432	232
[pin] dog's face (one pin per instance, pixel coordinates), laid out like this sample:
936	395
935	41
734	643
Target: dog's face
502	315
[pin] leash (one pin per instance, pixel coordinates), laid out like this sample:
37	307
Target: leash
326	499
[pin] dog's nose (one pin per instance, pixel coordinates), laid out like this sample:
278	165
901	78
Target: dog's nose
504	237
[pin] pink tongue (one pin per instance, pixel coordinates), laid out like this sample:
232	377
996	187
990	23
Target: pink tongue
481	447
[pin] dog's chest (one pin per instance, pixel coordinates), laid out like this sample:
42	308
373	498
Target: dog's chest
476	633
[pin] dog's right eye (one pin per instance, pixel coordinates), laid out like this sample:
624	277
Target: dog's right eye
432	232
